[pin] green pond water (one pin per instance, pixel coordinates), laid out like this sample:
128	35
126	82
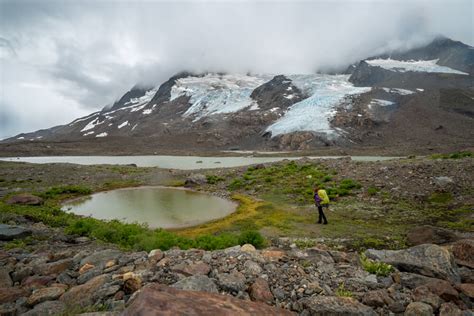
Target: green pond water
155	206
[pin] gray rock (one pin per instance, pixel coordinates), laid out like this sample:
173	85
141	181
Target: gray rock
47	308
431	235
418	309
195	179
413	280
233	282
252	267
428	260
443	181
100	258
8	232
197	283
5	280
333	305
25	199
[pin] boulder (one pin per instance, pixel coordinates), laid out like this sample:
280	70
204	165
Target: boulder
450	309
443	289
467	275
11	294
260	291
199	268
377	298
423	294
418	309
272	254
428	260
467	289
54	268
25	199
100	258
8	232
45	294
252	268
249	248
197	283
5	279
47	308
334	305
430	235
232	282
36	281
195	179
413	280
84	295
463	252
156	255
157	299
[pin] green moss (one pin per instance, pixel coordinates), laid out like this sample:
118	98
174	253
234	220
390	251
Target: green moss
455	155
213	179
440	197
57	191
372	191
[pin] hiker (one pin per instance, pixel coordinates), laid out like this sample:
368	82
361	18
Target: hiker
321	199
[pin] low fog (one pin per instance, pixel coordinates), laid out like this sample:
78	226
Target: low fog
61	60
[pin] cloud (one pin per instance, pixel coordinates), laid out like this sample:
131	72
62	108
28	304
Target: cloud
84	55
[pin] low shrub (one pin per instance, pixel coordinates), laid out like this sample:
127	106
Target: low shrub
66	189
375	267
213	179
342	291
252	237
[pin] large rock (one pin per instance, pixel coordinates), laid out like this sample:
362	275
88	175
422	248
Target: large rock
463	252
8	295
413	280
419	309
232	282
197	283
8	232
429	260
54	268
45	294
443	289
449	309
84	295
430	235
156	299
467	289
333	305
47	308
260	291
377	298
5	279
25	199
195	179
100	258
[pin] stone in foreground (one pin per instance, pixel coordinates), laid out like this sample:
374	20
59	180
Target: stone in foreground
428	260
334	305
8	232
156	299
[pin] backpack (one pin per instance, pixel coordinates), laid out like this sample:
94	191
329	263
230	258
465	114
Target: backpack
317	199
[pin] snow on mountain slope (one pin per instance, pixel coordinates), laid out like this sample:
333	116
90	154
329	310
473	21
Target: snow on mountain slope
215	93
314	113
413	65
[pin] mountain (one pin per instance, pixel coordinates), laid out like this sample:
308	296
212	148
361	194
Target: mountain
412	100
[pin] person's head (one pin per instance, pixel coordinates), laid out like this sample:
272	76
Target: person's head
316	189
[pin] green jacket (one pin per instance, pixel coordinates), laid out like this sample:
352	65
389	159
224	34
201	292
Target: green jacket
324	196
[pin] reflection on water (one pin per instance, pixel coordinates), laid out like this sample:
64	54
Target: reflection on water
174	162
155	206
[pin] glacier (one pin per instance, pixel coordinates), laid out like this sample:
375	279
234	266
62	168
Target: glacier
315	112
215	93
413	65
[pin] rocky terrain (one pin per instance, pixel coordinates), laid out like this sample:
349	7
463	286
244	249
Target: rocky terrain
413	101
63	275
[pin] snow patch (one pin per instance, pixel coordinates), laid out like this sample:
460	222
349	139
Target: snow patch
398	91
84	118
214	93
123	124
419	89
315	112
21	137
91	125
289	97
254	107
147	111
104	134
134	126
88	133
379	102
413	65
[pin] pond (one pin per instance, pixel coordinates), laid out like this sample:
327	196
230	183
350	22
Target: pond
159	207
174	162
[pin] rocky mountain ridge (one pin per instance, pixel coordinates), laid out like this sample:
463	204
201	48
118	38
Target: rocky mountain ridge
267	112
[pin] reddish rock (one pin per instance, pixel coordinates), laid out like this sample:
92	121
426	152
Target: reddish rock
378	298
463	252
132	285
272	255
86	268
36	282
5	280
83	295
335	305
199	268
443	289
156	255
418	309
25	199
260	291
430	235
45	294
423	294
467	289
54	268
8	295
156	299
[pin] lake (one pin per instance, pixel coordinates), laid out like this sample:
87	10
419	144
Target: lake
175	162
156	206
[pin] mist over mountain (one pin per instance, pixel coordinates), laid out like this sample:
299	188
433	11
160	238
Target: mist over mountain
82	56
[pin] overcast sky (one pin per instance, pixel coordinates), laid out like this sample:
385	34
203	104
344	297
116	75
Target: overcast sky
63	59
